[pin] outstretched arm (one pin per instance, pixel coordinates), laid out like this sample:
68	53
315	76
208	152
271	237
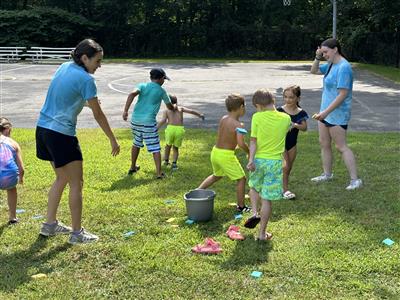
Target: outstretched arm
128	103
193	112
163	120
103	123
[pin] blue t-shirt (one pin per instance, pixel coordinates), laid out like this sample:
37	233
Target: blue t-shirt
339	77
69	90
146	108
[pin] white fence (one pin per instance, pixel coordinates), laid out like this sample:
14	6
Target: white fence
35	54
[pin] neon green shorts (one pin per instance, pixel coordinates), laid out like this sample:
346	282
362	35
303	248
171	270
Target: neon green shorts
174	135
267	178
225	163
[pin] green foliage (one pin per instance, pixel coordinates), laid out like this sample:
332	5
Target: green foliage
259	29
51	27
327	244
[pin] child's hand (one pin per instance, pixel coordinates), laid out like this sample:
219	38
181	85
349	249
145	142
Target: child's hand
251	166
125	115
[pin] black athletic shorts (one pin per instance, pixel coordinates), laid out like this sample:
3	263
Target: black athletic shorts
57	147
332	125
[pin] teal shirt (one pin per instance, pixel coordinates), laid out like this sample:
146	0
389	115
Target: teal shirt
146	108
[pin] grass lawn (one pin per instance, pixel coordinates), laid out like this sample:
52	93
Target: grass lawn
391	73
327	244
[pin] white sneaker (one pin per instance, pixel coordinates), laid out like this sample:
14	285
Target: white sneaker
323	177
83	237
354	184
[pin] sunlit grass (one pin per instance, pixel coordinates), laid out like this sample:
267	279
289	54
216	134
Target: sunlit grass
327	244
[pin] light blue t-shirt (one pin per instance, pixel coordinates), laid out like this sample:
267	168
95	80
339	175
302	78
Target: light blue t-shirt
69	90
339	77
146	108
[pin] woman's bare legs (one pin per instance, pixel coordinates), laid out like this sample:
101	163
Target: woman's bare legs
338	135
71	173
326	148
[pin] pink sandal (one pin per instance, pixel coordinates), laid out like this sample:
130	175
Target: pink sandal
209	247
234	234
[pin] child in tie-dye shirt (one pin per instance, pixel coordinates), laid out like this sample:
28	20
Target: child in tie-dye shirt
11	168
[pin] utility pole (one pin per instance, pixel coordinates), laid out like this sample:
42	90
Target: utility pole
334	14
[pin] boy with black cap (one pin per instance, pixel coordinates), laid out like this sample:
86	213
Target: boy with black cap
143	120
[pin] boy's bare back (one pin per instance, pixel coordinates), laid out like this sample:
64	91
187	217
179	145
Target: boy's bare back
227	133
175	117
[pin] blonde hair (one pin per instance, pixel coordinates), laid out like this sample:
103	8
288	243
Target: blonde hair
4	124
234	102
263	97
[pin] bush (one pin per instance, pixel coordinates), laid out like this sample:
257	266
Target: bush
49	27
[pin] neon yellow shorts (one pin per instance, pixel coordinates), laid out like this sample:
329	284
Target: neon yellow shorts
225	163
174	135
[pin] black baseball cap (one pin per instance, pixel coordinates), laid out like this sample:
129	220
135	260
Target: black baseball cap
158	73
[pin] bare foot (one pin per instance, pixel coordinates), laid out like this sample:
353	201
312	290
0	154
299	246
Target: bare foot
265	237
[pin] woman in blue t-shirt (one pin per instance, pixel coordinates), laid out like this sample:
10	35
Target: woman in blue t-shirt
71	88
335	110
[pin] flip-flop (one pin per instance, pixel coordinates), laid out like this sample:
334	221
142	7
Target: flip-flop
288	195
162	176
134	170
13	221
252	222
234	234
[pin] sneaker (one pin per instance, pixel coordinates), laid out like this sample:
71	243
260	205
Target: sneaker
166	162
83	237
354	184
323	177
174	166
243	209
54	229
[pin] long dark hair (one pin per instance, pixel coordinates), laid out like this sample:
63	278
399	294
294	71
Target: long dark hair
86	47
332	43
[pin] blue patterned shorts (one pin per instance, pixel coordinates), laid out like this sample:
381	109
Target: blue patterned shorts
267	178
148	134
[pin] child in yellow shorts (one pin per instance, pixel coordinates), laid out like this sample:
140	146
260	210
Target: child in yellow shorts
223	159
175	130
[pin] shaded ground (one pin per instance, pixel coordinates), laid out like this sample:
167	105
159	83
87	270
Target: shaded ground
202	87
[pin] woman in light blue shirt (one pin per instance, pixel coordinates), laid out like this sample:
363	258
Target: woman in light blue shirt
71	88
335	110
